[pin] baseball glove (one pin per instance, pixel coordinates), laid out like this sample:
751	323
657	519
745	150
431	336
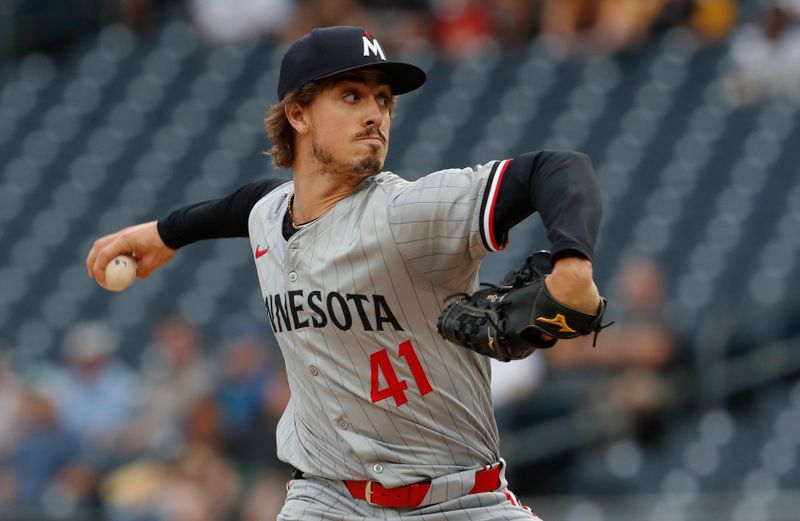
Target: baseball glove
507	322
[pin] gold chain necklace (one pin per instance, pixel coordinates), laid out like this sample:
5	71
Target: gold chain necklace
291	216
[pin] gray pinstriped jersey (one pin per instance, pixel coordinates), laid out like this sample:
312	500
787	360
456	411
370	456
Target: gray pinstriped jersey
353	299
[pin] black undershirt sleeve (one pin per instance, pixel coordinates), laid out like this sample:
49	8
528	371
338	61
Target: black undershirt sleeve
218	218
562	187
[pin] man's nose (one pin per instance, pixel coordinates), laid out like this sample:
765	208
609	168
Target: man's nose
374	116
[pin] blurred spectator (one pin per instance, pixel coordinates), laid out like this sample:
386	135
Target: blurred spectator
175	376
671	13
625	371
138	14
463	28
49	24
402	26
714	20
610	26
202	467
44	462
265	498
323	13
199	485
266	473
709	20
597	26
246	375
96	396
517	21
250	20
766	57
11	394
257	446
253	393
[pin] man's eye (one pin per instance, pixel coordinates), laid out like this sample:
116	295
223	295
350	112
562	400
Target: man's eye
384	100
350	97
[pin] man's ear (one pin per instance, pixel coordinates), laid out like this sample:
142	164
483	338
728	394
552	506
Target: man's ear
296	114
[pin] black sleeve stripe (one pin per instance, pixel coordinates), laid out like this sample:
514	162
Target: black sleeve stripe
488	204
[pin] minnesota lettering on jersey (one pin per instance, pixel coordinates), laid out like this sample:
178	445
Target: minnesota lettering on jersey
372	311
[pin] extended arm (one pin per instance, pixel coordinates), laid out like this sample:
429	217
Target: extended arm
153	244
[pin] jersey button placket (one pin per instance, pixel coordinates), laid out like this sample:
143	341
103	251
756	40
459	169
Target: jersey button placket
378	468
343	424
291	260
313	370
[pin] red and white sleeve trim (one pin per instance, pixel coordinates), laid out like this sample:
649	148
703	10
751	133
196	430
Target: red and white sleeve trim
490	239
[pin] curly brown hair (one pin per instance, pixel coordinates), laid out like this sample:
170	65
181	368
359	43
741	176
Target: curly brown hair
279	131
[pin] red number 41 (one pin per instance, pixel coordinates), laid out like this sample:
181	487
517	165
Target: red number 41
379	363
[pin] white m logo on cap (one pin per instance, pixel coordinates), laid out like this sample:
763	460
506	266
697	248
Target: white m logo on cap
372	47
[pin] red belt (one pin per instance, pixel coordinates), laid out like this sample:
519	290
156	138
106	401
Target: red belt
410	496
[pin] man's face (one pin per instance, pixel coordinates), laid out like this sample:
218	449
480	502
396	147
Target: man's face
350	122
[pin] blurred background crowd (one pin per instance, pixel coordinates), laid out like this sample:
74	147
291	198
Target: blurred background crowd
764	48
160	404
186	433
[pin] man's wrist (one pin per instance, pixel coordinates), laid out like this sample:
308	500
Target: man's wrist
576	268
571	284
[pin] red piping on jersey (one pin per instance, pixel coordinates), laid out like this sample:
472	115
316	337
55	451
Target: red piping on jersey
498	181
510	497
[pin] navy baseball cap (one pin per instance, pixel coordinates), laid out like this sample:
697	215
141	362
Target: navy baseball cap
331	50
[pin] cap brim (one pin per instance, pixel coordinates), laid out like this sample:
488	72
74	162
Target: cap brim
403	77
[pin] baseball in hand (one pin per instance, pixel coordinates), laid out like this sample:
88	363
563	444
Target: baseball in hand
120	273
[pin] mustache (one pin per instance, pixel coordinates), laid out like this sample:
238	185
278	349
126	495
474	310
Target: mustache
371	131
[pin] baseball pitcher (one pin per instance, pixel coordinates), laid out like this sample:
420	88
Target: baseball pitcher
370	283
